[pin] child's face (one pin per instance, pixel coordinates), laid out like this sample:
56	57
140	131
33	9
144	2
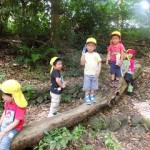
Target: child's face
91	47
58	65
7	98
130	55
115	39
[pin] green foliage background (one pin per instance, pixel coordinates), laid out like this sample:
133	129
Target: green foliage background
47	27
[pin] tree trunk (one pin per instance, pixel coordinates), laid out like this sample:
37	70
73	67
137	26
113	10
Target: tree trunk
33	133
119	14
55	11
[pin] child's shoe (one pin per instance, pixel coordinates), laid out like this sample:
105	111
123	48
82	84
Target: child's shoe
92	98
112	83
130	89
116	83
87	100
50	115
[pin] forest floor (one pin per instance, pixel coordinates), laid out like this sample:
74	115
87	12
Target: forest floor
138	103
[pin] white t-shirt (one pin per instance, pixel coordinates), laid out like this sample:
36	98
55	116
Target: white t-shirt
91	63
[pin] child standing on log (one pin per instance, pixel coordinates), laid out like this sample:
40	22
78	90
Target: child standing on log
92	62
129	75
115	58
12	119
57	85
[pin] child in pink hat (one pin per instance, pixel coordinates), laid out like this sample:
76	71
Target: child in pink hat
129	75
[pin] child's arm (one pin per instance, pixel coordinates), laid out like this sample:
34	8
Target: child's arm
108	57
98	69
83	59
3	115
126	70
9	127
59	82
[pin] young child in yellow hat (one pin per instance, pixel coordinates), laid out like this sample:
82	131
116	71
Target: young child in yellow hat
115	58
92	62
57	85
12	119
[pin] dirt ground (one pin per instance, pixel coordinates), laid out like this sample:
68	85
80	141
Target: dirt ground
138	103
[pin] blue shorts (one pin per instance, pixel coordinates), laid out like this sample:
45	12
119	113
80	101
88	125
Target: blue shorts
115	69
90	82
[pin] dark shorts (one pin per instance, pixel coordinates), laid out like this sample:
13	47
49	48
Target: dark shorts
115	69
128	78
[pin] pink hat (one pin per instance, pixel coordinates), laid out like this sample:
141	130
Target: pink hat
131	51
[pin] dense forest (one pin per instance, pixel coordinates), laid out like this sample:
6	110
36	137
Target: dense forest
40	28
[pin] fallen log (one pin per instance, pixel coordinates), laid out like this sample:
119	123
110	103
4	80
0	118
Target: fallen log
33	133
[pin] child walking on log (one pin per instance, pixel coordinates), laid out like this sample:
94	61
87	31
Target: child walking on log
129	75
57	85
92	62
12	119
115	58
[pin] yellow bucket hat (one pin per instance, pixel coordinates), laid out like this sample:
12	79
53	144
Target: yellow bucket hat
116	33
13	87
92	40
52	62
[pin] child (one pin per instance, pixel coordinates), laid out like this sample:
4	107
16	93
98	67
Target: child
115	58
129	75
12	119
125	65
92	62
57	85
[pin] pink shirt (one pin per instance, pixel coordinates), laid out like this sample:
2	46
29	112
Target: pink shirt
131	67
12	112
114	49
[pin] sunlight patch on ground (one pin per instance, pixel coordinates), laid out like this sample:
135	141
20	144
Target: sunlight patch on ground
143	108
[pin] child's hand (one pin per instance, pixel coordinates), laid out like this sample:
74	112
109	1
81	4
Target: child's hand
107	64
97	73
2	134
119	63
123	74
83	54
63	85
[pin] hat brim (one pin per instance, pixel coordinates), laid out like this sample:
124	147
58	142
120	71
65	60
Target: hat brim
115	35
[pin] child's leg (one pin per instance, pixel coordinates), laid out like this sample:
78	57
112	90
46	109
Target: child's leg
86	88
129	79
112	80
6	140
92	96
94	87
118	75
112	72
55	101
113	77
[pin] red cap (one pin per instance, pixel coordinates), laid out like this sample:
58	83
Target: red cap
131	51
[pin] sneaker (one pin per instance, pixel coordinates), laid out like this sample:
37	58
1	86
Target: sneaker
116	83
92	98
130	89
112	83
87	100
50	115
